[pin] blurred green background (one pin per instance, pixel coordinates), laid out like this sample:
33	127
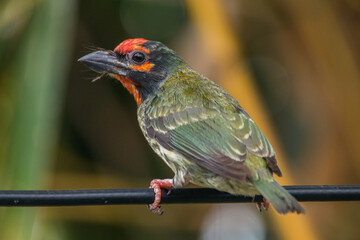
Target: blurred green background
293	65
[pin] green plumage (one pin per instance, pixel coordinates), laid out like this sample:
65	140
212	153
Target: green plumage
206	138
280	199
194	125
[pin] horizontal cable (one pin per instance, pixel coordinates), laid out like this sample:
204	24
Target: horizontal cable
310	193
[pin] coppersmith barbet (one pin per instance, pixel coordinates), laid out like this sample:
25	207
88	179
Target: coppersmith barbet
194	125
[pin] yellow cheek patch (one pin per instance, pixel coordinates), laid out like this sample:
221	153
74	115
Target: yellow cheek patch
142	68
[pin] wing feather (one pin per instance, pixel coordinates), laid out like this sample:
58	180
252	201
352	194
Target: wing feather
217	135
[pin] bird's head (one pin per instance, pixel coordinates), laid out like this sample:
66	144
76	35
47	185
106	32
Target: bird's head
140	65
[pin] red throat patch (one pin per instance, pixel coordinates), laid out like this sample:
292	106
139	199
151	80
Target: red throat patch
130	86
129	45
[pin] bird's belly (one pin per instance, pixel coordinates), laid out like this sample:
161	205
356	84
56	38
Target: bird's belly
203	177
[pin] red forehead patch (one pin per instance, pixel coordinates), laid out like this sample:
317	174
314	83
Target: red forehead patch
129	45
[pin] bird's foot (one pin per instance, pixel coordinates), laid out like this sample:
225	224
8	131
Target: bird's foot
263	205
157	185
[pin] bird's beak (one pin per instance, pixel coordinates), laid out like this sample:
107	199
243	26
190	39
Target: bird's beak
105	62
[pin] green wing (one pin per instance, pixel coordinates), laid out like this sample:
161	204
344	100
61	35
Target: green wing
213	131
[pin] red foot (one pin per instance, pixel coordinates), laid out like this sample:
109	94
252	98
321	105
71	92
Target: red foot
266	204
263	205
157	184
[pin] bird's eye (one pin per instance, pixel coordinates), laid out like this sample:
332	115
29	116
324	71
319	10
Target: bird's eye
138	57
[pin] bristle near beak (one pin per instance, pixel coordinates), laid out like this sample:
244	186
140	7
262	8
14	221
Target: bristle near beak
98	77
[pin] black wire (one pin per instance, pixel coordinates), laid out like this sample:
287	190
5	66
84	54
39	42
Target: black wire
314	193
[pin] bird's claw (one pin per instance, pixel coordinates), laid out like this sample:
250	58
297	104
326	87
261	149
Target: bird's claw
157	184
156	210
259	206
263	205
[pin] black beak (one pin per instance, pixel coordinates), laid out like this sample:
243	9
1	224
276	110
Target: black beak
105	62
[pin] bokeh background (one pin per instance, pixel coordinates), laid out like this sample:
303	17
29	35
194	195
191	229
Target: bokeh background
293	65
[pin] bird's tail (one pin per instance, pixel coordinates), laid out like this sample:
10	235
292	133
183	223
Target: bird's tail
280	199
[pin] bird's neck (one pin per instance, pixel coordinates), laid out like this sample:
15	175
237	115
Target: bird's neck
131	87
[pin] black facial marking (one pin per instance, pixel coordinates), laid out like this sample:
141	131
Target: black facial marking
163	61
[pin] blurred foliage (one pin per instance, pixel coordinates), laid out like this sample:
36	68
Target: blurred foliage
35	92
293	65
135	17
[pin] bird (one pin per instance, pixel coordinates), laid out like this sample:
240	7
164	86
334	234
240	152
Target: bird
198	129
